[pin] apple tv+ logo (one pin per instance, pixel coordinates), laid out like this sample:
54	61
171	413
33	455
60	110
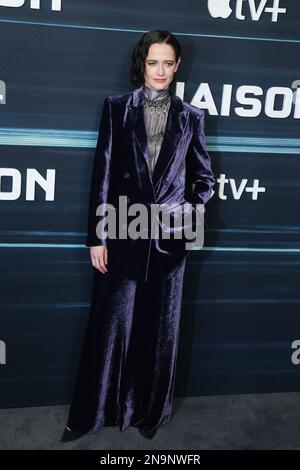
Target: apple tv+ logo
222	9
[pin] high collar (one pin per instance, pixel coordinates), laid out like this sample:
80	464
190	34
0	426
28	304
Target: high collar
137	100
152	94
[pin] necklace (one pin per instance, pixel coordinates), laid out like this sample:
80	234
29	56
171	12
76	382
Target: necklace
157	106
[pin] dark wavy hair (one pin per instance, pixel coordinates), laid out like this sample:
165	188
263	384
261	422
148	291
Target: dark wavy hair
140	52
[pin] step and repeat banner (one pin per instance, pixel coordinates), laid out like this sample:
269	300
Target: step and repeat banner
240	330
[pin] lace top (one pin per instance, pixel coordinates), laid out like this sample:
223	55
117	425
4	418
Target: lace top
156	108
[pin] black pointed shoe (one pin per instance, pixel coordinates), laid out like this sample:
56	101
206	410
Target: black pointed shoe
69	435
148	434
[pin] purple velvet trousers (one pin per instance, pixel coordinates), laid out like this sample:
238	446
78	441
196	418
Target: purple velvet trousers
128	359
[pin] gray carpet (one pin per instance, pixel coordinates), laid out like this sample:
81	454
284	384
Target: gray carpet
261	421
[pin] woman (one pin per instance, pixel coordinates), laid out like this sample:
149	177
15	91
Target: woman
150	143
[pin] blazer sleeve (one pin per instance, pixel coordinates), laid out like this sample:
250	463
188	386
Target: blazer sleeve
100	174
199	163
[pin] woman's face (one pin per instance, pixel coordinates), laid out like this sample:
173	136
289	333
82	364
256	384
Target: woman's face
160	66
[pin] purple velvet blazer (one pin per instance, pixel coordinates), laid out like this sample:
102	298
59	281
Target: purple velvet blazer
182	174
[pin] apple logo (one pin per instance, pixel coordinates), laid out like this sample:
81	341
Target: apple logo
219	8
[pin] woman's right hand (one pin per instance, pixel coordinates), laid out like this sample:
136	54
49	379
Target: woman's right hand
99	257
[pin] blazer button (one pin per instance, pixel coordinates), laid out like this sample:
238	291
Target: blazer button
126	175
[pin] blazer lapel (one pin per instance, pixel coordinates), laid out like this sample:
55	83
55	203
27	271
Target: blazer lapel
175	126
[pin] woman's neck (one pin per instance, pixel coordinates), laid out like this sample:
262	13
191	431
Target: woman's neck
152	94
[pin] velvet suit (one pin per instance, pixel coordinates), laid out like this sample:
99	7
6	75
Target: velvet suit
128	360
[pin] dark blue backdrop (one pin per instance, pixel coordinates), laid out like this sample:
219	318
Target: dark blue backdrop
240	313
